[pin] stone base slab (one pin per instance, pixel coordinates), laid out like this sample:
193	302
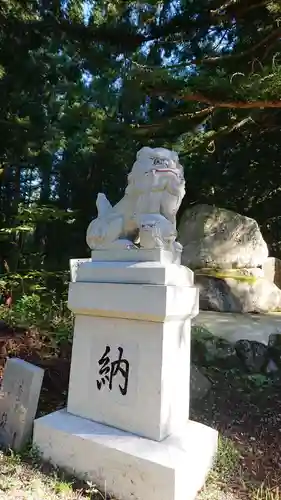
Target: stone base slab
137	255
153	273
133	301
125	465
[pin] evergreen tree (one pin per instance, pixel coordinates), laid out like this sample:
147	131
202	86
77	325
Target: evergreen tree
86	84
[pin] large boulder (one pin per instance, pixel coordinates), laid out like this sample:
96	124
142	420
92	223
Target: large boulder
272	270
217	238
256	295
208	350
253	355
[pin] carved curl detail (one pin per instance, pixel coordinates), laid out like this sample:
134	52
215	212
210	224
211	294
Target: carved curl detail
146	216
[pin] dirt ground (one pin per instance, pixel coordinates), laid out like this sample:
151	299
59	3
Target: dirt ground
250	417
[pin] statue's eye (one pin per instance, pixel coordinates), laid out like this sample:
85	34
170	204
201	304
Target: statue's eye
158	161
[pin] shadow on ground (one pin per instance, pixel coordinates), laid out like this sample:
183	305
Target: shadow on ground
246	413
250	415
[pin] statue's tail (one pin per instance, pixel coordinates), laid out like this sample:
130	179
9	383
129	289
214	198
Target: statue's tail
103	205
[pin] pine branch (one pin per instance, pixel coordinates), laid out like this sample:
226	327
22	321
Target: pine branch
272	36
215	103
230	104
224	6
210	138
249	8
233	3
202	113
119	36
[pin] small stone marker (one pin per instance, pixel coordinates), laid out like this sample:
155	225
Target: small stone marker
199	384
19	395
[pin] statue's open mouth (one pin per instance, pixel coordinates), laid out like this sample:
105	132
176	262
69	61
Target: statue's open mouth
169	170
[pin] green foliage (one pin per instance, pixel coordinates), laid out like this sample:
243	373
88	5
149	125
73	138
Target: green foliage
227	460
29	310
52	320
201	334
85	84
258	381
265	493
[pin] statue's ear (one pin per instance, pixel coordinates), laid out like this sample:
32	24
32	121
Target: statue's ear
145	150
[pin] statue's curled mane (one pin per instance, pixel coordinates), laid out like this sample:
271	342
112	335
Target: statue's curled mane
153	195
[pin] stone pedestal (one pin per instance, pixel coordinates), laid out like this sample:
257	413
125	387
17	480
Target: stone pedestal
127	466
126	426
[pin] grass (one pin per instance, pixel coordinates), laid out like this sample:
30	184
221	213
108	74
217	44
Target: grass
226	465
23	477
247	466
226	471
245	410
264	493
22	480
248	417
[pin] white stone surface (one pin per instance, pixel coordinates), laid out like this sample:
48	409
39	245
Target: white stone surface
146	215
137	255
234	327
157	399
214	237
153	273
126	466
231	295
19	395
130	365
133	301
74	267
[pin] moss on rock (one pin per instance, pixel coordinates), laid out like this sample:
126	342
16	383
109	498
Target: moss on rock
235	274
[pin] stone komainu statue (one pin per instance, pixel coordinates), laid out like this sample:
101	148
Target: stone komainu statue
146	216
